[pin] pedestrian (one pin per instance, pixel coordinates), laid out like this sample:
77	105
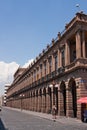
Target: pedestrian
54	113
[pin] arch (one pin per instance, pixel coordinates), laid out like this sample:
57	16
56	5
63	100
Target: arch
33	93
49	90
40	92
73	98
72	83
44	91
63	96
36	92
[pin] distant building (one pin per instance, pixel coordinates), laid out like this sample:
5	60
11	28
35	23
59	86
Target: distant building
1	100
57	77
5	94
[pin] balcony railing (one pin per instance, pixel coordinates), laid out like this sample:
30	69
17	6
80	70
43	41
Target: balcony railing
77	62
40	81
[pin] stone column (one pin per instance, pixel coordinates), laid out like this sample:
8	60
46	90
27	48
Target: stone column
60	103
78	44
67	53
48	108
43	102
29	104
32	108
69	109
39	101
31	100
53	96
36	103
83	45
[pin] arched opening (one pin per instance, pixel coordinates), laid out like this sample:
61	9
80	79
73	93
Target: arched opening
63	97
72	87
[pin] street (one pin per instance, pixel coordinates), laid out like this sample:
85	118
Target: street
18	120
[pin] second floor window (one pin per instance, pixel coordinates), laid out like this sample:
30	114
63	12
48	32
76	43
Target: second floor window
74	55
35	75
44	68
50	65
32	77
63	58
56	63
41	70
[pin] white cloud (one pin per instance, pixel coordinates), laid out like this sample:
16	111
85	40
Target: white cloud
7	71
28	63
6	74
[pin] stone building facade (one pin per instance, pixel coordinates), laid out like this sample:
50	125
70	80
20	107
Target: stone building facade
58	76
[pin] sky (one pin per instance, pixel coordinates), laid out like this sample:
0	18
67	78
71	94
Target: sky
26	27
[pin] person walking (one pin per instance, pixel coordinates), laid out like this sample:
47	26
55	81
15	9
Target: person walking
54	113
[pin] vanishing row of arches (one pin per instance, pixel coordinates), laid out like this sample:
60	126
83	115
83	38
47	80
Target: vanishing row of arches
43	99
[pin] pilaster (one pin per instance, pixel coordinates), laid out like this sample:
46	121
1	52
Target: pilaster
69	110
48	101
83	45
67	53
78	44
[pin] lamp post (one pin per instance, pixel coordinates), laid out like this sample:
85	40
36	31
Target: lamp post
53	86
21	97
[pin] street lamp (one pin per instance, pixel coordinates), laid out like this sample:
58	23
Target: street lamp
21	96
53	85
54	109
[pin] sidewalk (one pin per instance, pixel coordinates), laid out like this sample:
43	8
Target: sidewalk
61	119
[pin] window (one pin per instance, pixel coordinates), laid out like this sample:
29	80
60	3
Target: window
41	70
50	65
63	58
34	75
74	55
45	68
56	62
37	73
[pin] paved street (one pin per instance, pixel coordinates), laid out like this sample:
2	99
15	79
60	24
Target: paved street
12	119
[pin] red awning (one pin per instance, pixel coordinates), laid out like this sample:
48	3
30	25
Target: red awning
82	100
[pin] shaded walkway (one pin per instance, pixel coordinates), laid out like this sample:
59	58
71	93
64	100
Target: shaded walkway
2	127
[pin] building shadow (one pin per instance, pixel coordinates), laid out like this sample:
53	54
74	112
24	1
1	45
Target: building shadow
2	127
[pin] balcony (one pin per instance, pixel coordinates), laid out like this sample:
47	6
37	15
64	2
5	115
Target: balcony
42	80
61	69
77	62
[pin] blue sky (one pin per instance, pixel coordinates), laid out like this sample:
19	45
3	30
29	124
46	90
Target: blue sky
27	26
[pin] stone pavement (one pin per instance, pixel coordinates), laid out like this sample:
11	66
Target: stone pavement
60	119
